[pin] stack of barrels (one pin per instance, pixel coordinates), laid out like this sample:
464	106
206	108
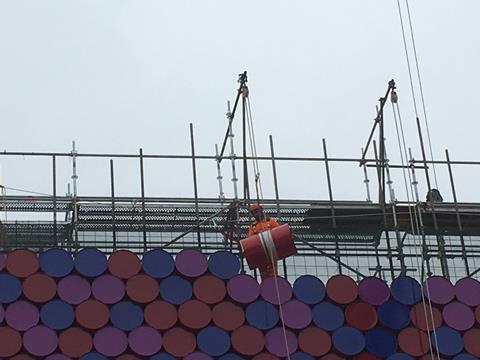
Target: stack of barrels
161	307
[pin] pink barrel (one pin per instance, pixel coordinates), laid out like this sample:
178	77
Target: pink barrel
458	316
467	291
439	290
276	290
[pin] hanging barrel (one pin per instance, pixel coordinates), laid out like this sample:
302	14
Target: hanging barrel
262	249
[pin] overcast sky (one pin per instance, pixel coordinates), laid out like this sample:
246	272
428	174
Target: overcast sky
119	75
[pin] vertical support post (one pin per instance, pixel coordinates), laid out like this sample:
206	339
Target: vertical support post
459	220
54	190
366	181
195	189
332	207
112	189
277	197
75	194
246	187
221	195
142	189
232	153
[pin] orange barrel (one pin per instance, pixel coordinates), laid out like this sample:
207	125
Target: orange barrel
247	340
314	341
22	263
75	342
421	315
209	289
266	247
124	264
160	315
39	288
228	316
179	342
194	314
11	341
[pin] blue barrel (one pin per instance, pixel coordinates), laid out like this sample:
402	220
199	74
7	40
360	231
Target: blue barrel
406	290
158	263
328	316
126	315
224	264
57	314
465	356
10	288
301	356
400	356
309	289
56	262
175	290
381	342
394	315
163	356
231	356
90	262
213	341
450	342
93	356
348	340
262	315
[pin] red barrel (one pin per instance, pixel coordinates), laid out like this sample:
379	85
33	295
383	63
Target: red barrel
22	263
228	316
194	314
160	315
179	342
421	315
248	340
361	315
471	341
75	342
413	341
92	314
314	341
342	289
142	288
209	289
39	288
124	264
266	247
11	341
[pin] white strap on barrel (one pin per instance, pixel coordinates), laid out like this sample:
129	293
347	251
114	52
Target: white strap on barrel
268	245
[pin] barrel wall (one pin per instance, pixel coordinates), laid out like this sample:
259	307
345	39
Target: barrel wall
92	306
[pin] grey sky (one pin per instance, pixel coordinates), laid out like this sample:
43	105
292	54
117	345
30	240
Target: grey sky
120	75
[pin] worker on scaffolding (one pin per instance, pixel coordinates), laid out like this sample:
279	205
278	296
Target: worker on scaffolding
262	223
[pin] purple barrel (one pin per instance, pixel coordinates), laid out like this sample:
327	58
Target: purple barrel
275	342
439	290
296	315
145	341
373	290
108	289
110	341
467	291
40	341
191	263
458	316
276	290
243	288
74	289
22	315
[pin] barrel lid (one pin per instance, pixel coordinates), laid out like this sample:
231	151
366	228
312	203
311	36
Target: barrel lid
179	342
471	341
348	340
413	341
142	288
394	315
406	290
328	316
90	262
400	356
243	288
22	263
309	289
276	290
228	316
160	315
296	314
373	290
163	356
126	315
361	315
380	342
145	341
57	314
11	341
21	315
158	263
10	288
191	263
209	289
108	289
93	356
224	264
275	342
56	262
247	340
262	315
439	290
450	341
213	341
92	314
124	264
465	356
197	355
194	314
175	290
422	314
300	355
467	291
110	341
39	288
74	289
458	316
314	341
40	340
342	289
75	342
